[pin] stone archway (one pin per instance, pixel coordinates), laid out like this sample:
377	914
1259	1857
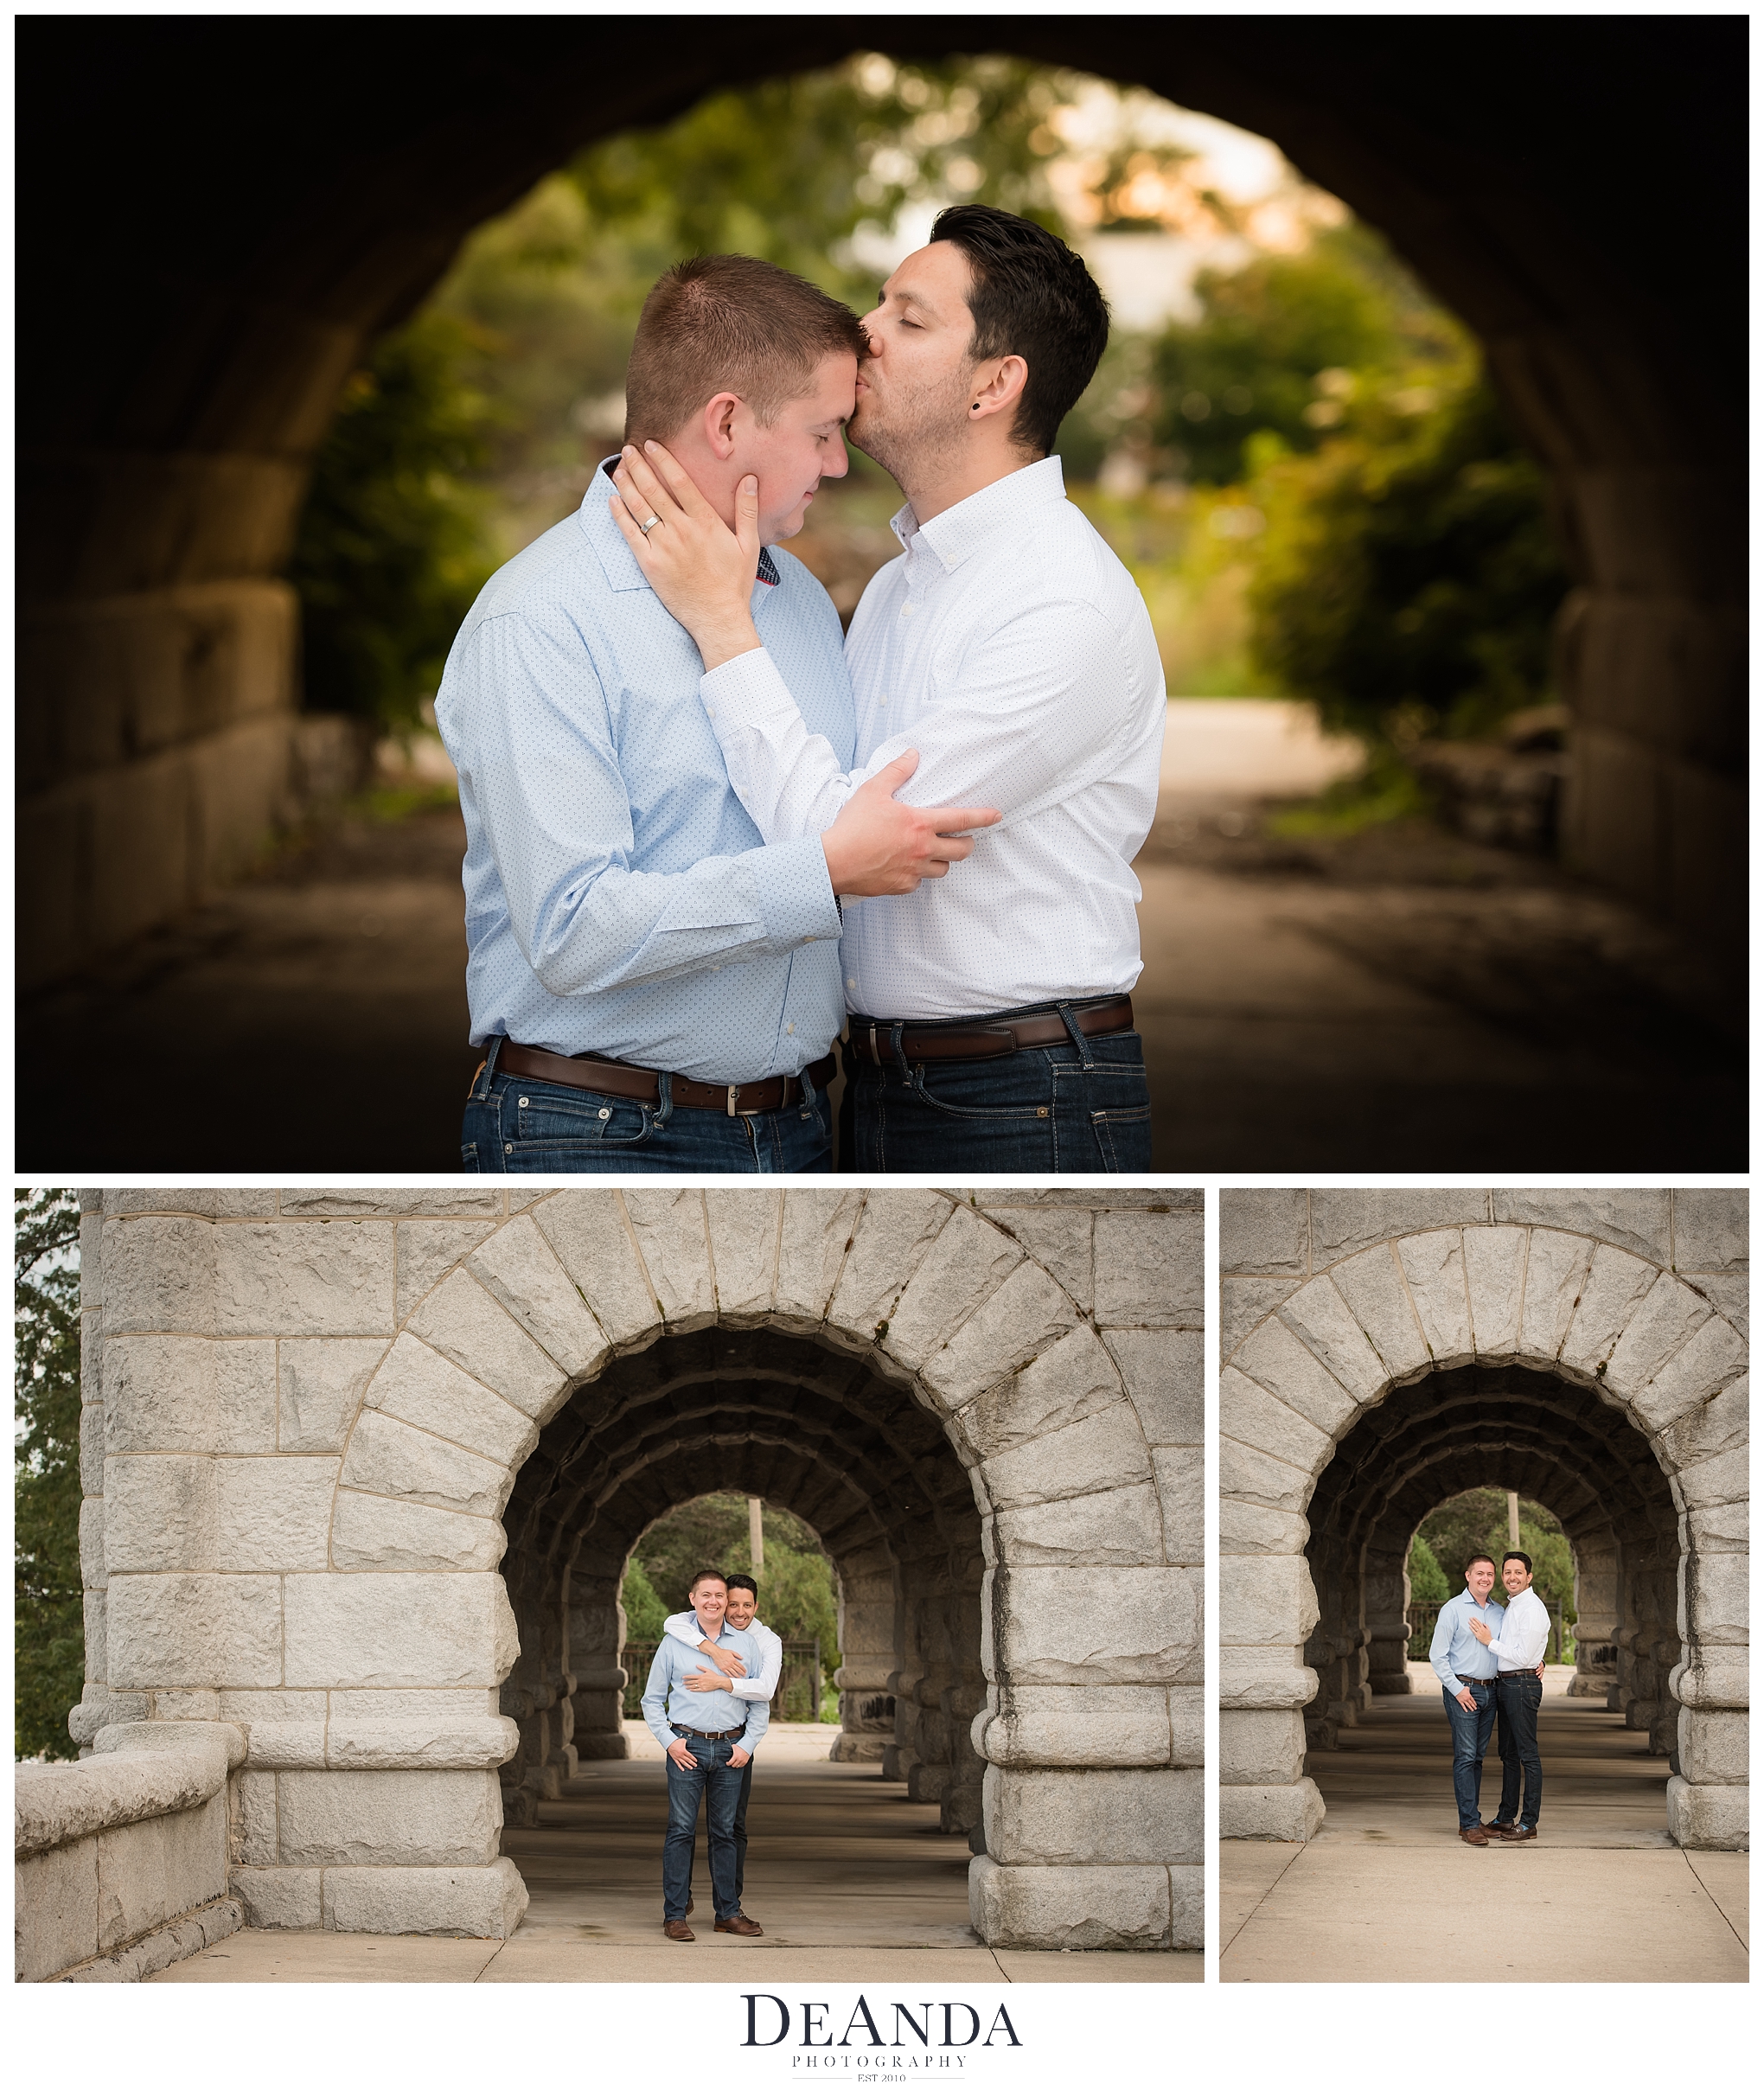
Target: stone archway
263	198
320	1420
1384	1350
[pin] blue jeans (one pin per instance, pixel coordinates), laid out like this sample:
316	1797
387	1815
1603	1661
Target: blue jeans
718	1784
529	1125
740	1833
1520	1699
1470	1733
1083	1107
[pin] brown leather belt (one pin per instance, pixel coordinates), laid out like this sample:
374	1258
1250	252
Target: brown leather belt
1462	1681
627	1081
975	1041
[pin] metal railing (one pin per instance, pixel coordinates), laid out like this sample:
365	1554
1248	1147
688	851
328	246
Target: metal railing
797	1698
1423	1619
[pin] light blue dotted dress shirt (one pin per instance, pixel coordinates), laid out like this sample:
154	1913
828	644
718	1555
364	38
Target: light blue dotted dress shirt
618	898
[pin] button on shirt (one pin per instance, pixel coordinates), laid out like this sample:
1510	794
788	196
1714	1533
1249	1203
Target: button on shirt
1524	1633
618	897
666	1699
764	1661
1012	649
1456	1654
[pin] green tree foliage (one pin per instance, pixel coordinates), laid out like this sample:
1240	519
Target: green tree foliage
48	1632
645	1615
391	551
1478	1519
1408	579
1426	1579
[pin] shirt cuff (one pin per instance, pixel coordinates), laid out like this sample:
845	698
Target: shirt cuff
747	689
795	892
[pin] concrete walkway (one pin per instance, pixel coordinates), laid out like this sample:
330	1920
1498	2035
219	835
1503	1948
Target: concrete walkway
843	1873
1387	1892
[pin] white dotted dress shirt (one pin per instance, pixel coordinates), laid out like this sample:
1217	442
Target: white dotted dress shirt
1011	647
618	897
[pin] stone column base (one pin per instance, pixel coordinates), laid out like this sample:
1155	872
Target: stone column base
1294	1814
1044	1909
1708	1819
454	1902
1391	1682
601	1744
849	1750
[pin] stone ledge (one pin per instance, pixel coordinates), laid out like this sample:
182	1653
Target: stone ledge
156	1950
128	1782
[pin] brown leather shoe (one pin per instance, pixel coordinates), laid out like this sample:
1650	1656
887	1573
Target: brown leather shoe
677	1928
1503	1832
743	1929
1521	1837
1477	1836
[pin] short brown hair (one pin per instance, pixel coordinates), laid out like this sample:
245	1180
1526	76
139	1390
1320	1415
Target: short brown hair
1477	1559
726	321
704	1574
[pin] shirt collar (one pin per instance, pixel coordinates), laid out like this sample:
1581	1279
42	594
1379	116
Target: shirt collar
624	573
957	533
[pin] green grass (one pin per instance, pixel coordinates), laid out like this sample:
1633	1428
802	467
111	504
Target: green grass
1382	795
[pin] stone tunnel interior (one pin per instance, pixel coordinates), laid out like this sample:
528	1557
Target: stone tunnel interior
1521	1429
802	1425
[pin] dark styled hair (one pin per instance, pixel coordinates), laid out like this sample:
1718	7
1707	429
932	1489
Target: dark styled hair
1031	296
726	321
742	1582
1477	1559
1518	1556
701	1578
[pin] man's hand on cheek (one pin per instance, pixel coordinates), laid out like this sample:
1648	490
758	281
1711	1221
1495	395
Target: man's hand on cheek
702	574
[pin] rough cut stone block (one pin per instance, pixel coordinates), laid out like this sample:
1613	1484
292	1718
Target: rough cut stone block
1714	1747
290	1746
416	1385
91	1563
193	1630
1029	1314
92	1450
1708	1819
399	1631
1714	1605
1718	1678
1253	1478
54	1910
1049	1909
1250	1530
1373	1288
254	1842
1494	1273
745	1232
331	1201
1265	1231
188	1396
1556	1270
399	1461
389	1819
405	1743
1083	1726
1731	1294
1061	1240
1664	1319
1432	1265
1117	1627
1715	1428
416	1705
278	1899
1260	1747
324	1381
1074	1379
1150	1267
159	1512
1045	1817
969	1260
303	1279
1181	1475
818	1224
158	1275
189	1200
1275	1677
1272	1357
1318	1317
151	1872
1103	1452
1242	1305
1723	1479
1346	1219
1266	1600
1710	1227
1712	1357
668	1224
1118	1527
588	1233
1292	1814
468	1902
464	1324
892	1238
1614	1288
273	1513
425	1253
1249	1415
1162	1372
391	1534
1634	1218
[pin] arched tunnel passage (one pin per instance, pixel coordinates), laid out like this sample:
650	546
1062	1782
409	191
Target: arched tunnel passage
815	1429
263	198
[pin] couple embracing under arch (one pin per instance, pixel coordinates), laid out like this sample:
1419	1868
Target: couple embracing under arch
1489	1661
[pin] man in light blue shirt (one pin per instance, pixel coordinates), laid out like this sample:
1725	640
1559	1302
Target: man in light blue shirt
1465	1668
653	987
748	1659
708	1737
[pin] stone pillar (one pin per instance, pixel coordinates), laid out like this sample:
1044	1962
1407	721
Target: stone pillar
1387	1624
1595	1604
1268	1605
866	1708
597	1662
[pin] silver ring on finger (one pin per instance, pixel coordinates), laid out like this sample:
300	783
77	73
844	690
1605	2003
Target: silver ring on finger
654	521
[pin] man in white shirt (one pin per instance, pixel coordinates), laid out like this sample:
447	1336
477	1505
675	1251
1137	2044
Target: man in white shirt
763	1651
1010	651
1523	1637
